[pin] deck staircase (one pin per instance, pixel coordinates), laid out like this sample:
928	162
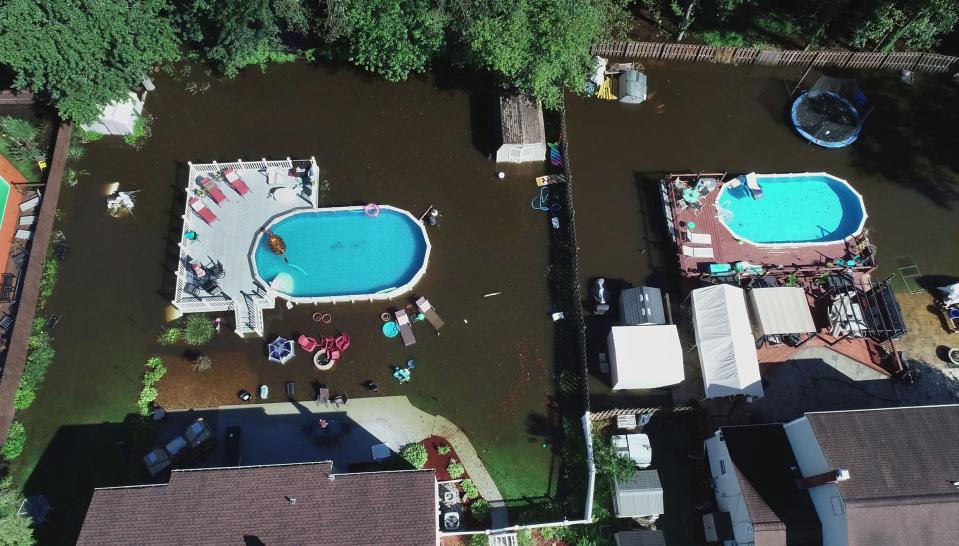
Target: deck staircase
249	314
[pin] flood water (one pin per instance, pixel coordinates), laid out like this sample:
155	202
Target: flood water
409	145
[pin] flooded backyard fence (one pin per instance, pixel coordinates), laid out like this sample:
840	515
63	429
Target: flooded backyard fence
17	350
896	60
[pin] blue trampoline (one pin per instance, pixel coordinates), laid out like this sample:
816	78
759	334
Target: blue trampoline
826	119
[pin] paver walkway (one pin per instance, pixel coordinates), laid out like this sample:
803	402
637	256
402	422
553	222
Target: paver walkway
388	419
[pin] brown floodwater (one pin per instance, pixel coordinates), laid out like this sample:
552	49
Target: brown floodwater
410	145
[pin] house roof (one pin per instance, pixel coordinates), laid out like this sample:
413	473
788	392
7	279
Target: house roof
765	467
902	464
243	505
521	120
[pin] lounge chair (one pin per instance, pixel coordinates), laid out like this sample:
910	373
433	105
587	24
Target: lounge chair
191	289
698	252
427	309
699	238
202	210
752	184
235	182
28	220
209	186
406	329
340	400
24	234
30	203
307	343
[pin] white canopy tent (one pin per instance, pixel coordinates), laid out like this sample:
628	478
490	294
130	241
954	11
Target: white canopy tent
645	357
727	350
780	310
118	118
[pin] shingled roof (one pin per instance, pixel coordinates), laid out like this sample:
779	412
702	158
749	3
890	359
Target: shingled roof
781	513
283	504
902	463
521	120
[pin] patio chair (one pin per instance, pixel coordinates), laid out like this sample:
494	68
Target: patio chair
698	252
406	329
191	289
210	187
235	182
698	238
323	396
215	269
431	316
8	287
307	343
202	210
340	400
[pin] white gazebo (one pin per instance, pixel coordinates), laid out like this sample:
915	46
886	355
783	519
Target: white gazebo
724	339
645	357
780	310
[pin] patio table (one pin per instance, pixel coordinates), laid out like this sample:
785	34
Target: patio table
691	196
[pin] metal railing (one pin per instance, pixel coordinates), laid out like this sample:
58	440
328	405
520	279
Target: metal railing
895	60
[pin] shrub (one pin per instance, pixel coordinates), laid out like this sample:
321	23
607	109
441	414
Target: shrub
155	371
455	469
85	136
524	537
47	281
75	152
469	489
723	38
611	464
199	330
202	364
555	533
24	138
147	396
40	355
480	509
16	439
141	130
14	530
442	450
169	336
479	540
415	454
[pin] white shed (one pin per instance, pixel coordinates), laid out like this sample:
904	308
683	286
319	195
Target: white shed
645	357
641	496
724	339
118	118
522	129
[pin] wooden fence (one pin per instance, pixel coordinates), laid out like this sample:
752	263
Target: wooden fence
923	62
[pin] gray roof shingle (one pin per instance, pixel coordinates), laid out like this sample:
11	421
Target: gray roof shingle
764	463
901	462
236	506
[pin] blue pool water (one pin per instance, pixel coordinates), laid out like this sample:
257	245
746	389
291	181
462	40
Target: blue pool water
805	208
343	252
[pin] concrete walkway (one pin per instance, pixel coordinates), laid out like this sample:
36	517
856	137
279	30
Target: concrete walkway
272	435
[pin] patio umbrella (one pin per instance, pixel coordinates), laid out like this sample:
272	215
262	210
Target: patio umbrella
281	350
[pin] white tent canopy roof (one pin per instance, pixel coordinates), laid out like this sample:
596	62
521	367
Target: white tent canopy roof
727	350
119	117
780	310
645	357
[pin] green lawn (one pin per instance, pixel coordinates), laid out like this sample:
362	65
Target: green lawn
28	169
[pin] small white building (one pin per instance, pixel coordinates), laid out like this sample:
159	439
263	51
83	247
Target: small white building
639	497
645	357
118	118
724	339
522	129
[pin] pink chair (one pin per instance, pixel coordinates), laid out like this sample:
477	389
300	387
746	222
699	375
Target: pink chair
342	342
202	210
212	190
235	182
307	343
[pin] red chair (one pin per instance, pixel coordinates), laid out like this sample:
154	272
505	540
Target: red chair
202	210
212	190
235	181
307	343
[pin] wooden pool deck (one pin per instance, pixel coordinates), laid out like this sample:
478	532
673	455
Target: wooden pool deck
726	249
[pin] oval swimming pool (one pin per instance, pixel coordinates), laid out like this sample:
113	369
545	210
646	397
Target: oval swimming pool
343	252
795	209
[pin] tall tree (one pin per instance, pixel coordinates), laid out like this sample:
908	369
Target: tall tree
389	37
234	34
920	24
83	54
14	530
538	46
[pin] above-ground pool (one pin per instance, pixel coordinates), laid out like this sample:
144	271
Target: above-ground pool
343	252
806	208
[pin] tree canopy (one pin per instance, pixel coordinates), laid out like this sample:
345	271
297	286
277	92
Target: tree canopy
84	53
14	530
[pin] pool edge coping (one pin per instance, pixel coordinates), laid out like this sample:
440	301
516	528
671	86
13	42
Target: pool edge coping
382	295
858	231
